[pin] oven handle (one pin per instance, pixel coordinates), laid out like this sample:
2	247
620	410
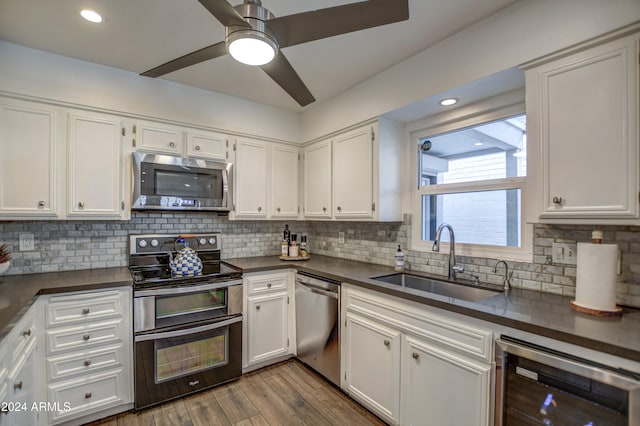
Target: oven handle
186	289
187	331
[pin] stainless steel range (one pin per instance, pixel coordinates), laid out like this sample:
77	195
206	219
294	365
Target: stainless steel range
187	325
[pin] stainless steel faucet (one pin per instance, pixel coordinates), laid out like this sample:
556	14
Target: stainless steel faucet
507	275
453	266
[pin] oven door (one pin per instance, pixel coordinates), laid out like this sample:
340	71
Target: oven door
180	361
171	306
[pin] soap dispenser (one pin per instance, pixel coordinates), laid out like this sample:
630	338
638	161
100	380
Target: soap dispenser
399	260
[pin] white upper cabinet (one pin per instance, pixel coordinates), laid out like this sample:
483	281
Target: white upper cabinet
356	174
582	119
317	180
29	137
266	180
284	182
159	137
353	174
95	175
252	179
208	145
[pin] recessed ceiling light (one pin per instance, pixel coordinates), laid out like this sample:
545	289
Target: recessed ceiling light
449	101
91	16
478	144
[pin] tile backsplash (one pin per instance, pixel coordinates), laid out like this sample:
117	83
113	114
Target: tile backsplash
72	245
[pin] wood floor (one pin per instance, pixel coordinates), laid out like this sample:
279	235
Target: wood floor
288	393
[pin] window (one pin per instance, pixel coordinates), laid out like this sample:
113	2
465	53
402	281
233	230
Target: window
474	179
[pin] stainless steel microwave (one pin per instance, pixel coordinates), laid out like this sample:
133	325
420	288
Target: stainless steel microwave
165	182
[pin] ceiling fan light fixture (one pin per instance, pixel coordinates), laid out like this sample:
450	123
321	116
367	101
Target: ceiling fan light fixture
251	47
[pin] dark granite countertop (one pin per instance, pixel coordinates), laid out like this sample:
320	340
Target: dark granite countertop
543	314
19	292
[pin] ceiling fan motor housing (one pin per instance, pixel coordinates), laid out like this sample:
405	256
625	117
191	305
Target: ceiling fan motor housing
256	16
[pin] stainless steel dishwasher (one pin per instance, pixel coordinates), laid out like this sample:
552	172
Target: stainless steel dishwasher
317	324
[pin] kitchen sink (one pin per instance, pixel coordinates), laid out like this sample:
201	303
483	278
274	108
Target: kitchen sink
435	286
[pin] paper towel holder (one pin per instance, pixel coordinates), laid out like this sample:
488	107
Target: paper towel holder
617	312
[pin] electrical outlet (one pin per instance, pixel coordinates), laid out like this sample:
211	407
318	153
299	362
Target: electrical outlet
26	242
564	253
341	237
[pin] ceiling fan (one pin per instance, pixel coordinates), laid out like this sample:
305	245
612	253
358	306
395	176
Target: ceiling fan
251	25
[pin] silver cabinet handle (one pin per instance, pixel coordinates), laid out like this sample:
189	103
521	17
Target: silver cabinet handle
339	208
41	204
87	395
557	200
26	333
17	385
268	285
172	144
81	204
324	210
257	307
259	208
387	343
197	147
85	311
86	337
415	355
278	209
87	362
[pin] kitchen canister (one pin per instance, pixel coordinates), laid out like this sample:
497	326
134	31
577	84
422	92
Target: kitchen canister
596	279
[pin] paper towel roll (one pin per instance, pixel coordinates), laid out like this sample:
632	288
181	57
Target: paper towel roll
596	276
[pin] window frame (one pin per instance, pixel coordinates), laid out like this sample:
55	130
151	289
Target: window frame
445	123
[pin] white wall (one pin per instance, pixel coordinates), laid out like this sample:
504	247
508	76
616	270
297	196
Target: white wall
41	74
525	31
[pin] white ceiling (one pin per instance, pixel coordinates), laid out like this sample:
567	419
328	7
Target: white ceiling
140	34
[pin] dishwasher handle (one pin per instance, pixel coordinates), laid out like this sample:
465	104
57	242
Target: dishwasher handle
317	290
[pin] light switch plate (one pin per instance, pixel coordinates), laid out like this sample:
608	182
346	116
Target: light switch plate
26	242
565	253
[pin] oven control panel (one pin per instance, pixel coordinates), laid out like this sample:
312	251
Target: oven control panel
161	243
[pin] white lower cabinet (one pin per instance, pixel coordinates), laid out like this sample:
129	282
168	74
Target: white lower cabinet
268	321
411	364
373	365
441	386
88	354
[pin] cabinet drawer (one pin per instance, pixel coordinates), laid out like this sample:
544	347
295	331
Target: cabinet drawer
87	362
69	309
85	396
265	283
82	338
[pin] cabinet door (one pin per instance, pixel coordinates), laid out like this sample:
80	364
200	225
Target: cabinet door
444	387
27	160
159	138
23	389
353	175
583	110
284	182
209	145
95	166
251	179
317	180
372	370
268	327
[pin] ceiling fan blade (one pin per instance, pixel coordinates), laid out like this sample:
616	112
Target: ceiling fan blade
224	12
281	71
201	55
308	26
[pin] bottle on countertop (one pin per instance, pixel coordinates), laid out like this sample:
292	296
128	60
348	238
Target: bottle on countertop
304	248
399	260
293	247
285	248
287	235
